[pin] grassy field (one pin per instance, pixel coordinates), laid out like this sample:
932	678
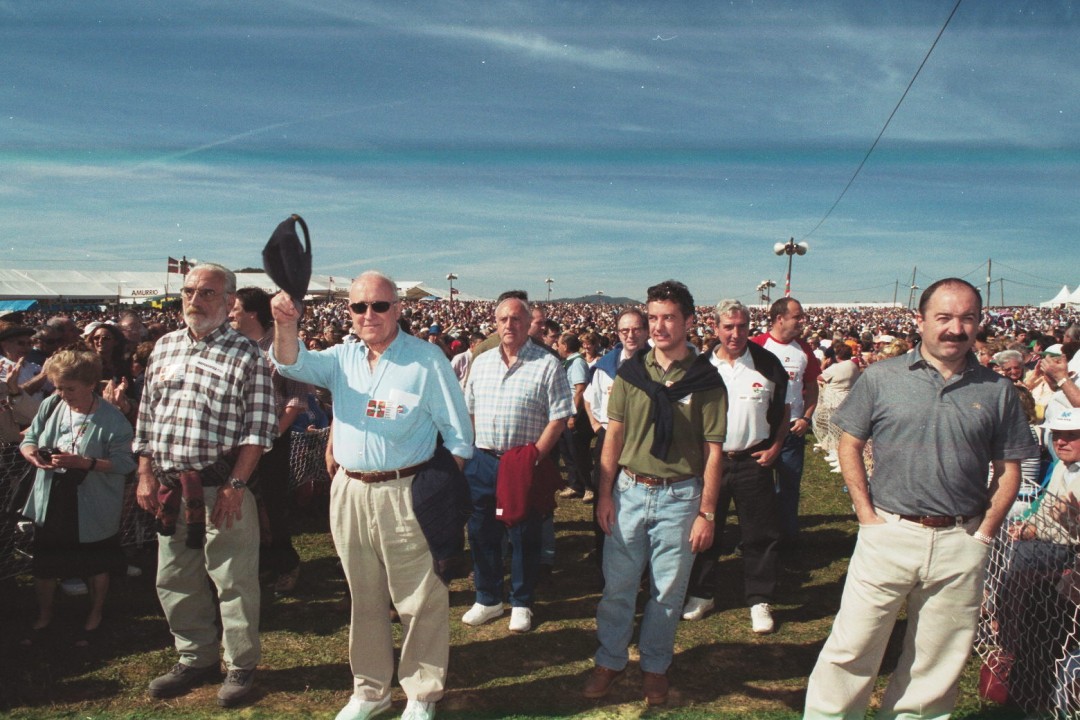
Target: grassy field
721	669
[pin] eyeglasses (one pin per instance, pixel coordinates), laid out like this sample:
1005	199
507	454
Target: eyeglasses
631	330
204	293
379	306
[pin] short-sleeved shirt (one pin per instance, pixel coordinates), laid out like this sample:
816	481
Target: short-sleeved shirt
388	418
511	406
698	418
803	367
287	393
934	439
577	370
203	398
753	388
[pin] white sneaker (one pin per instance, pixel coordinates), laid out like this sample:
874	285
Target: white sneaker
761	621
520	619
361	709
74	586
479	614
418	710
697	608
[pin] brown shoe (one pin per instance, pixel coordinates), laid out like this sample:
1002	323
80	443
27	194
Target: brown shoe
600	682
655	687
286	581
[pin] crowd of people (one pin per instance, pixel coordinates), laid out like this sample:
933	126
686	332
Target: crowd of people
454	419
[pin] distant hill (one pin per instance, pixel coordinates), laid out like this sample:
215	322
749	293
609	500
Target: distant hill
599	300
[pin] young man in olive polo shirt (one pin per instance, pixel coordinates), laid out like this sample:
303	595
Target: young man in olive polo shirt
658	488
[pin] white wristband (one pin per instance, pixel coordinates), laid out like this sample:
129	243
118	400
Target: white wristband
983	538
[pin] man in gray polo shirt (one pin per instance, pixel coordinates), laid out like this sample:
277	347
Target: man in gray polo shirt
939	421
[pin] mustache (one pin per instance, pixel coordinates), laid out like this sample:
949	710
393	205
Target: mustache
954	337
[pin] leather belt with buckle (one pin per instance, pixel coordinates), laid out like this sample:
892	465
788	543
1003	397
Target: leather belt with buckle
653	481
379	476
747	453
937	521
493	453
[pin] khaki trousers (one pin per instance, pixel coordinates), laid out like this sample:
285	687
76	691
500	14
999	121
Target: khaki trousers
231	559
939	573
387	560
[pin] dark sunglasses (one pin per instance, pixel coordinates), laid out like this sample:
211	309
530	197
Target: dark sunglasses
379	306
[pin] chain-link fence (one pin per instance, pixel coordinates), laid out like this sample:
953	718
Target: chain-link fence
307	459
1028	630
14	545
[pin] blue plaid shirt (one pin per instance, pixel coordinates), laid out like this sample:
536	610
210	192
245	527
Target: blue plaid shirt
511	406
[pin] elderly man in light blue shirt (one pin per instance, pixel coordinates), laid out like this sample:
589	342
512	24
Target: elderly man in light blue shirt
393	394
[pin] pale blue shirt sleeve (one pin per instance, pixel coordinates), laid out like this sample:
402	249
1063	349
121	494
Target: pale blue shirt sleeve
577	373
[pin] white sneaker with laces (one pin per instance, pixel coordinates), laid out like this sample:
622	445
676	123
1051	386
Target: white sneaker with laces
697	608
361	709
418	710
761	621
520	619
479	614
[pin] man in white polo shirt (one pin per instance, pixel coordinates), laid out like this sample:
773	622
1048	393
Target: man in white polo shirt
757	417
784	340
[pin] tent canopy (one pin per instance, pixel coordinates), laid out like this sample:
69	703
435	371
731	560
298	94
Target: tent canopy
108	285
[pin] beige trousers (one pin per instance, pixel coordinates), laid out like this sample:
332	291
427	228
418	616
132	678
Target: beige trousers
231	559
387	560
939	573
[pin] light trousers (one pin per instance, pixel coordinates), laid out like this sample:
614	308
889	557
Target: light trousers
231	559
387	560
939	573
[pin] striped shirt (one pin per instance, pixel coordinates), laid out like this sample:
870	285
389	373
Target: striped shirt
511	406
204	398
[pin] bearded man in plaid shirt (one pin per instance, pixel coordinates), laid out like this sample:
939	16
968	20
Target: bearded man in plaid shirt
206	417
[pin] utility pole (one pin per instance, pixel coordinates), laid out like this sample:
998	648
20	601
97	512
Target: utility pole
914	287
989	264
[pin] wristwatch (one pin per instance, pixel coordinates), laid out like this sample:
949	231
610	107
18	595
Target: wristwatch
237	484
709	516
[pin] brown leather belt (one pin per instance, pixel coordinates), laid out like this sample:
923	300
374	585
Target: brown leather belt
937	521
378	476
653	481
747	453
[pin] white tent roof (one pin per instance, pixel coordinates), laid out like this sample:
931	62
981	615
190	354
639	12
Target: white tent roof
1074	298
1062	298
134	286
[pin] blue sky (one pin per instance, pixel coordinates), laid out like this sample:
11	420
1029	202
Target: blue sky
605	145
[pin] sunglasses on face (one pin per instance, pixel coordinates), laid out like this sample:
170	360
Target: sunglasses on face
379	306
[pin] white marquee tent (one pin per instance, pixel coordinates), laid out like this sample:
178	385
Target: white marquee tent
123	286
1064	297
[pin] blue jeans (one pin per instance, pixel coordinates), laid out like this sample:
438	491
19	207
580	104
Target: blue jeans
789	467
652	527
486	535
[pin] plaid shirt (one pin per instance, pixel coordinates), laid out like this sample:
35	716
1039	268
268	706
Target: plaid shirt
204	398
287	393
511	406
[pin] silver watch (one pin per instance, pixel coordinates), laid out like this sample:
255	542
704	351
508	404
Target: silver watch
237	484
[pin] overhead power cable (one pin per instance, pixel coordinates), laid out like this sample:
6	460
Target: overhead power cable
886	125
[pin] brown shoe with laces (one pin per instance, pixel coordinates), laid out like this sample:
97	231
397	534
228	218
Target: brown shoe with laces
655	686
600	682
